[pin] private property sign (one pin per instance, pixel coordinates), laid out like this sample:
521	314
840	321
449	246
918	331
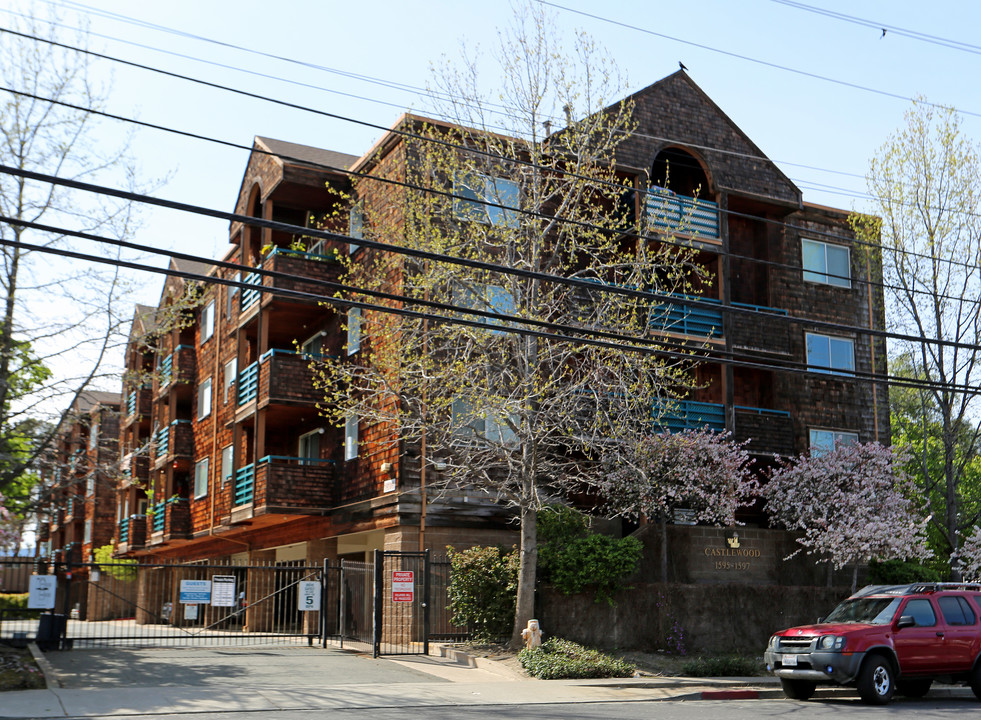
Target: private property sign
403	585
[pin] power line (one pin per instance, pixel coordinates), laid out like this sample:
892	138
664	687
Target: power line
689	356
765	63
465	262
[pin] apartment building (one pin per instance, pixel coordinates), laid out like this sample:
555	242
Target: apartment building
224	453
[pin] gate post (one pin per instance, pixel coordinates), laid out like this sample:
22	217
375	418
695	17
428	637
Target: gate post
376	634
425	603
323	604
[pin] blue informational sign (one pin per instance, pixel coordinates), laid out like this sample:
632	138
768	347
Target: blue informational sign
194	592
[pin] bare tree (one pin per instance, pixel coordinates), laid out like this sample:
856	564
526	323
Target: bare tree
518	418
926	187
60	320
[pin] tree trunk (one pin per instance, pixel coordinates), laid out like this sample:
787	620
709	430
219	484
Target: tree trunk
525	609
664	549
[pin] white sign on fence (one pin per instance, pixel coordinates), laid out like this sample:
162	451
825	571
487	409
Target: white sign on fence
41	592
223	591
309	595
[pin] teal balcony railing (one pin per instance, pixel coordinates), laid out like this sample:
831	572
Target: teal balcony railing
250	296
163	441
159	516
680	415
166	370
689	319
668	212
131	402
124	530
248	383
244	485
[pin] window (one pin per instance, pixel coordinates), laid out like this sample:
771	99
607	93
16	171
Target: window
227	470
207	321
489	298
231	369
88	532
823	441
469	424
93	436
204	399
830	354
350	437
356	225
309	449
313	346
922	612
353	330
231	308
474	189
825	263
956	611
90	485
201	478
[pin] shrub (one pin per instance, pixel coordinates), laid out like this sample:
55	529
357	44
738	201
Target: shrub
901	572
722	666
121	569
574	559
13	601
557	659
483	591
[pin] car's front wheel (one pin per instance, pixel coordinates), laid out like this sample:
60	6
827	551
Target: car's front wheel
797	689
876	681
975	680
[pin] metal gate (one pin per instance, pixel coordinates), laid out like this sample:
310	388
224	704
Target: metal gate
401	623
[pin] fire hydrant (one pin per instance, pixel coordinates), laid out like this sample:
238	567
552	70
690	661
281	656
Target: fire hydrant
532	634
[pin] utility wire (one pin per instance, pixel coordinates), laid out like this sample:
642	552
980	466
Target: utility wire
465	262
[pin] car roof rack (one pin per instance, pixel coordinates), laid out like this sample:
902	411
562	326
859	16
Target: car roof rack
913	588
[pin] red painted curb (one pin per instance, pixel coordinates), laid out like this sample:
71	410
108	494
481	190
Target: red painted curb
730	694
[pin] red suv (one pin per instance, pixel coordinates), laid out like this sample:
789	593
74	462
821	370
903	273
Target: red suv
883	640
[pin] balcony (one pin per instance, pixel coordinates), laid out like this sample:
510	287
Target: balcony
131	534
293	484
171	520
135	467
760	333
302	272
173	441
180	367
769	431
281	377
666	212
680	415
687	319
244	490
138	403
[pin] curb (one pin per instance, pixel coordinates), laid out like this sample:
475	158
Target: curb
51	677
461	657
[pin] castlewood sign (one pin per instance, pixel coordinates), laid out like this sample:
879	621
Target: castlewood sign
733	556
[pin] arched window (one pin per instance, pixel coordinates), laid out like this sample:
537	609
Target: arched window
681	173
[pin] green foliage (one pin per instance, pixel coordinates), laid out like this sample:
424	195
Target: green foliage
557	659
121	569
13	601
722	666
573	559
900	572
483	591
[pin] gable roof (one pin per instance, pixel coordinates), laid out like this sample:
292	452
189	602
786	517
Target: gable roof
676	112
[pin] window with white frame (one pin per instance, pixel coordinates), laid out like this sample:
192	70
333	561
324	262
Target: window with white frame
90	484
826	353
204	399
94	435
207	321
353	330
350	436
227	468
228	379
201	478
826	263
471	424
355	226
823	441
87	538
313	346
309	447
473	191
489	298
231	308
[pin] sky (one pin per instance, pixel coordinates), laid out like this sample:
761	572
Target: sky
816	93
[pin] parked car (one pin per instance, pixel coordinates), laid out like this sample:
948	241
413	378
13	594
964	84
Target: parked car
883	640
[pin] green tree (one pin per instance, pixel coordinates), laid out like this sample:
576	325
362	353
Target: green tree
482	588
515	418
926	186
58	320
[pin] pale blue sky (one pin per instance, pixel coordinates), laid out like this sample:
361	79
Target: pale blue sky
795	119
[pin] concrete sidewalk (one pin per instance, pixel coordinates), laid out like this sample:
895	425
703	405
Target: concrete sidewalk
115	682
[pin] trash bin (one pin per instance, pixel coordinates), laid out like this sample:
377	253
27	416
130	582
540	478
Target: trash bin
50	629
